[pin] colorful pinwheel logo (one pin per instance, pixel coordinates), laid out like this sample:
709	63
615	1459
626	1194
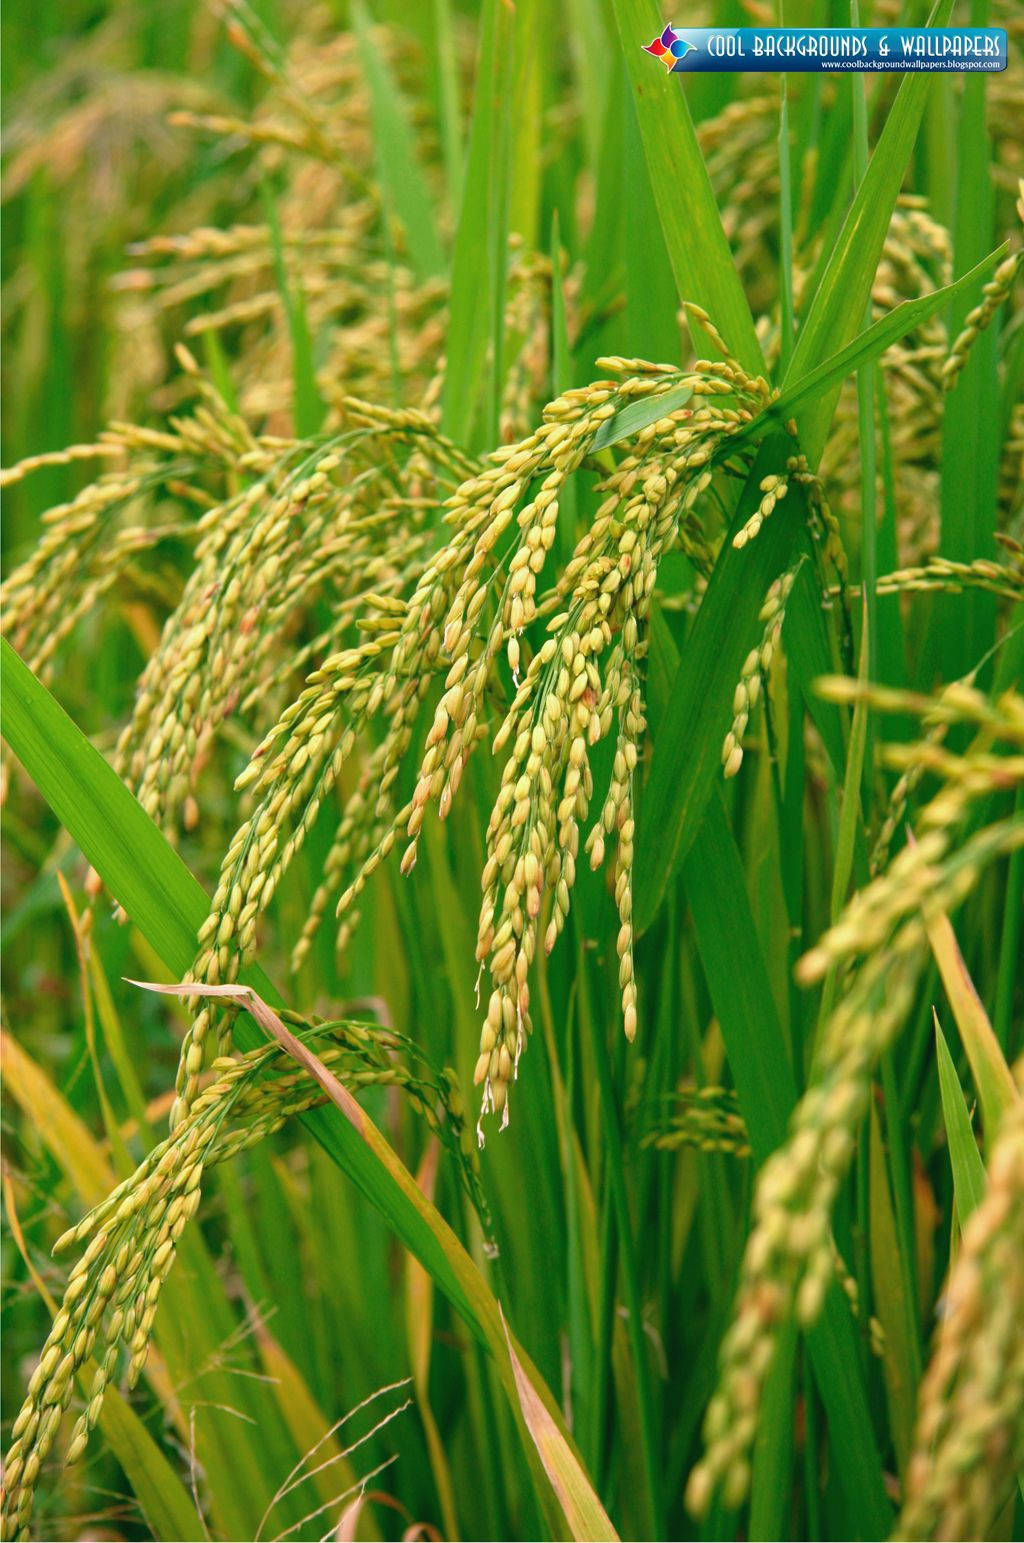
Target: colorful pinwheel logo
670	46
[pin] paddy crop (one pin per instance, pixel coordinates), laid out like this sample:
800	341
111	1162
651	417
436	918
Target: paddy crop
514	622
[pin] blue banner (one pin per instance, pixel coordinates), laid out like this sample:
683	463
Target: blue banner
685	49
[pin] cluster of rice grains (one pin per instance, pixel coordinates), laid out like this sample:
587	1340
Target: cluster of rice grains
573	681
106	1318
707	1117
880	942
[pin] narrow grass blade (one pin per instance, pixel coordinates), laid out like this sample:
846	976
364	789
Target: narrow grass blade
866	394
448	90
869	345
116	1045
996	1088
592	64
637	415
475	284
716	888
849	827
850	810
419	1324
163	1499
697	247
401	176
741	993
687	751
1011	954
583	1511
812	650
308	408
786	317
716	883
888	1279
972	430
839	301
561	380
634	1372
964	1156
119	1152
523	126
771	1480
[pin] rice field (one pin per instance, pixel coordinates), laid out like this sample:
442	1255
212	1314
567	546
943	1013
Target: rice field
513	779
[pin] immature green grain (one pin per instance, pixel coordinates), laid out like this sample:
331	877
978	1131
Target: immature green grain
994	293
708	1118
1003	579
852	1293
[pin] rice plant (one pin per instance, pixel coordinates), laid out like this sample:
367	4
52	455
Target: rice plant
513	782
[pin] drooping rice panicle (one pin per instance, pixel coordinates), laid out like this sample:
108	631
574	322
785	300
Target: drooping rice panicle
969	1438
113	1292
881	939
471	602
756	667
994	294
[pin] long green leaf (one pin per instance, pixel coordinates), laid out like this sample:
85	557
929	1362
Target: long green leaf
716	883
741	992
687	751
583	1511
475	327
874	340
771	1478
993	1078
964	1157
308	407
697	246
639	415
888	1285
845	288
163	1499
972	429
448	91
809	655
401	175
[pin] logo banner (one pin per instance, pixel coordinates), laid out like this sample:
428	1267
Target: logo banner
686	49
